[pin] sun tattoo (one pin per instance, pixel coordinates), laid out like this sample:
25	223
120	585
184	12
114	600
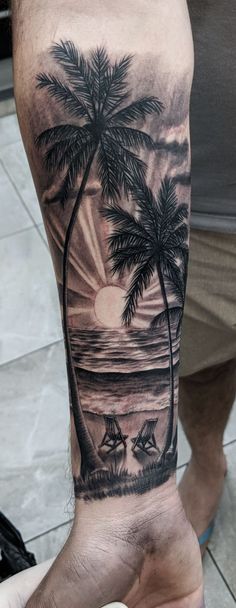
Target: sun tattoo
128	249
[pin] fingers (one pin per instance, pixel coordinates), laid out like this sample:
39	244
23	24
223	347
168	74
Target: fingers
15	591
115	605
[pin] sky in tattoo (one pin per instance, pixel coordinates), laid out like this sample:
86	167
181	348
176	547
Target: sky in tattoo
122	355
89	267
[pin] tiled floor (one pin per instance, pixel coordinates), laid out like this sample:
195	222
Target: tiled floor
34	462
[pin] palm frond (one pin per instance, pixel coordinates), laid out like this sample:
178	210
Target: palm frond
57	134
140	281
177	252
62	153
78	69
63	94
175	278
143	196
126	259
185	255
66	53
116	84
176	291
121	99
75	168
125	220
168	191
100	65
132	138
171	222
170	268
175	314
129	167
181	214
107	172
170	215
55	153
179	324
167	203
176	237
137	110
121	239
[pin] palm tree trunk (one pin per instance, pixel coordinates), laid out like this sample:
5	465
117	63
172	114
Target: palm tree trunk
90	460
169	435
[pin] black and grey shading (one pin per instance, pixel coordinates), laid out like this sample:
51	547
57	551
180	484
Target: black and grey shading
154	243
98	157
95	91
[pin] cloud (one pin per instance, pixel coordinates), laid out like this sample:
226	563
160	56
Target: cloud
183	179
174	147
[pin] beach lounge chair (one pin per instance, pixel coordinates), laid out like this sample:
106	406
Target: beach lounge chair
113	436
145	439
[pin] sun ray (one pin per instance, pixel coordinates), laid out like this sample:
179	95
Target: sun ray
78	310
80	299
92	241
81	269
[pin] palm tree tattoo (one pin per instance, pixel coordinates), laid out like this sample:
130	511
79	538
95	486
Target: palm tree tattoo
108	136
156	242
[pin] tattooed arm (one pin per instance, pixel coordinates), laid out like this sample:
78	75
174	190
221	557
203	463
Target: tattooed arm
102	92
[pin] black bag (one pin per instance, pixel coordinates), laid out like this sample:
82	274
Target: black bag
14	555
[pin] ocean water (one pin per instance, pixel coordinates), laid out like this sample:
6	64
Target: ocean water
122	372
104	393
123	351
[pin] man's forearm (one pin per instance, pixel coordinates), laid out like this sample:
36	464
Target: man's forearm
113	175
103	102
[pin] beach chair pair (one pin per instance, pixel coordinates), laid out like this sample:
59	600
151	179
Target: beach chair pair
113	437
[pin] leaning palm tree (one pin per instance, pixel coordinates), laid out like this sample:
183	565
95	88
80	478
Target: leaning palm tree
153	242
94	92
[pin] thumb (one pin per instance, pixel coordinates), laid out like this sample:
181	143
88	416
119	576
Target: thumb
115	605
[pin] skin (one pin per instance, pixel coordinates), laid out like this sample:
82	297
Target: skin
16	590
212	389
145	538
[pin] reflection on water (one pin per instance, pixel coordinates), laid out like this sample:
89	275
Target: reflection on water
121	393
122	350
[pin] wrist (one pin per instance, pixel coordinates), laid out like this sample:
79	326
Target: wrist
155	518
162	499
134	530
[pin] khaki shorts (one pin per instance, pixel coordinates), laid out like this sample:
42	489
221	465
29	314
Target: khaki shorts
209	326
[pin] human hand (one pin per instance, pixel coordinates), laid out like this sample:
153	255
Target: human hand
15	591
142	552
